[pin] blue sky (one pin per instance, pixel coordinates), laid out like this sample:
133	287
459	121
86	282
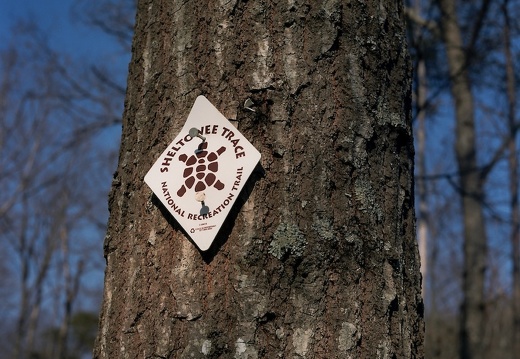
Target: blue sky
55	19
52	15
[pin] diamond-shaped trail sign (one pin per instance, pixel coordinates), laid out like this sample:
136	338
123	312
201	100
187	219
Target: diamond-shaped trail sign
200	174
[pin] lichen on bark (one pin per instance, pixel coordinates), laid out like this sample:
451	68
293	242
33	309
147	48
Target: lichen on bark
288	239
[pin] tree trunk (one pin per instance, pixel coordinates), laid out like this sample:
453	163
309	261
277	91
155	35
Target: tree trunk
318	259
470	187
422	191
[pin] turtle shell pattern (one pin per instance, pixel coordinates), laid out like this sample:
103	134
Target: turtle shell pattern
200	170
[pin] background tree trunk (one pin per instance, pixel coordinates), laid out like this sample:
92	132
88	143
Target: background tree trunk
513	181
470	187
319	259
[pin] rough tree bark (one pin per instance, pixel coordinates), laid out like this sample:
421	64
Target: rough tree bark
319	258
470	187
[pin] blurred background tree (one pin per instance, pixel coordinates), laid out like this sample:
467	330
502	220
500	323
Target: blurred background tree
465	55
60	117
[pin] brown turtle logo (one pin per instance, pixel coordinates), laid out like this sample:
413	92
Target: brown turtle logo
200	170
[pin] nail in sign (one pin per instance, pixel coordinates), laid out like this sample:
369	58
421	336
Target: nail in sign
200	174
